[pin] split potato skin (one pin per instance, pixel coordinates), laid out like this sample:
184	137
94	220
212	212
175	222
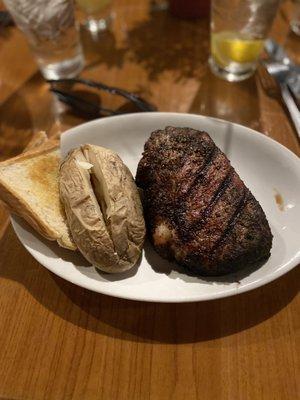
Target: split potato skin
103	208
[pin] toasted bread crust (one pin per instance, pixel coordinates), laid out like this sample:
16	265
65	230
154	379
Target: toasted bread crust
47	147
19	206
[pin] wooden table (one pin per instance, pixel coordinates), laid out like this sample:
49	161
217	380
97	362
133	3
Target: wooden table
58	341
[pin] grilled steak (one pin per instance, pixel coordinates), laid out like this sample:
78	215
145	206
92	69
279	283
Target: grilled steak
198	211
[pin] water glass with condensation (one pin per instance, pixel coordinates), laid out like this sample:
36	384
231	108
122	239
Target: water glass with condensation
52	35
238	30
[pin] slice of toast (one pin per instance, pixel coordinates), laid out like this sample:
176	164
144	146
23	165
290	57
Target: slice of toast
29	188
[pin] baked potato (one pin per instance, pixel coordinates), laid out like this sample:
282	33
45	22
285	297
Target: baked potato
103	208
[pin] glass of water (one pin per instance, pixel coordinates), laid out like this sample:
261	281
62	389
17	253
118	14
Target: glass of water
52	35
238	30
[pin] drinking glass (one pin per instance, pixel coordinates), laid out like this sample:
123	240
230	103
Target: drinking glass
238	30
98	12
52	35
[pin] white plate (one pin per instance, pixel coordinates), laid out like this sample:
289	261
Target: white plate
266	167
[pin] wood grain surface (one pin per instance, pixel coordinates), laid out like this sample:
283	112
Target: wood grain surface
58	341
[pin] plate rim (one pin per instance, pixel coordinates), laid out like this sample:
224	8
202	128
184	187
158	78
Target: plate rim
288	266
169	113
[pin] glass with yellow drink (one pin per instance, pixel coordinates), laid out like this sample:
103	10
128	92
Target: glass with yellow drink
238	30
